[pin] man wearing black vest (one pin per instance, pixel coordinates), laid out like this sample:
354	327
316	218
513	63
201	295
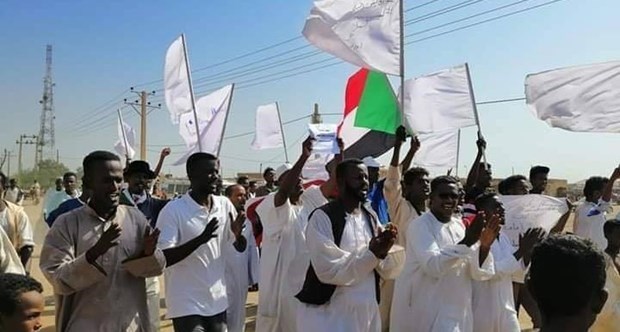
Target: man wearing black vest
348	249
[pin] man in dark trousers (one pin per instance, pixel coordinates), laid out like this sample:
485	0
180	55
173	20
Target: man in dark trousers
137	175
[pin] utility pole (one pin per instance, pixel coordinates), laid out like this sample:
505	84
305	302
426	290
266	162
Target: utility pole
145	109
316	116
47	137
24	139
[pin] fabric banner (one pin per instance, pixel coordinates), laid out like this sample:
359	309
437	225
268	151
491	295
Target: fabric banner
127	140
268	133
437	151
176	82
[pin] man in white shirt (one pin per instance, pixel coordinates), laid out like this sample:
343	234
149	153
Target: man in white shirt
16	225
241	267
348	250
13	193
195	269
55	197
590	215
434	291
493	301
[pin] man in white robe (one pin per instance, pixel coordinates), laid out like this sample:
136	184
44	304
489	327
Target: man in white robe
241	267
434	291
493	300
284	257
347	261
406	200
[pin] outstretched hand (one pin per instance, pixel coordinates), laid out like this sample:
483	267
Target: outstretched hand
237	224
209	232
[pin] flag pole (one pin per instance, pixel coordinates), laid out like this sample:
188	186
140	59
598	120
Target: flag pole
402	58
191	91
475	107
458	152
219	148
282	131
120	119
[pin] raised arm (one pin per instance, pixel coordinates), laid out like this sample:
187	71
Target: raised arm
414	146
610	185
288	184
472	177
165	152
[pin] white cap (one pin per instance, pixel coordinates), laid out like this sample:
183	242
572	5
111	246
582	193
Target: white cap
282	169
371	162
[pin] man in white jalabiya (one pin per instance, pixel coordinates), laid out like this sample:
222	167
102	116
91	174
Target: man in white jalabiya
241	267
348	251
493	301
284	258
434	291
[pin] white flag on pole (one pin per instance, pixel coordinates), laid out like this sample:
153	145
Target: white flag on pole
129	138
437	151
176	82
268	134
439	101
212	111
365	33
582	98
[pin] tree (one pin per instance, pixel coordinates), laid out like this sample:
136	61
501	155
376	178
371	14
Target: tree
47	172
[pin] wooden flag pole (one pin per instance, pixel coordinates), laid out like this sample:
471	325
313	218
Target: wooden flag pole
191	92
282	131
475	107
125	143
219	147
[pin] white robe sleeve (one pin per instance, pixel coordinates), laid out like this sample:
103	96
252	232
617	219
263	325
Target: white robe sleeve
168	228
505	262
484	272
9	260
253	256
333	265
434	260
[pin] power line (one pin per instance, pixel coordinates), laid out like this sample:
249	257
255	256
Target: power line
442	11
483	22
468	17
420	6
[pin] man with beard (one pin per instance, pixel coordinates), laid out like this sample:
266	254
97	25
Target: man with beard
241	267
98	256
137	175
347	250
493	302
201	224
434	291
406	199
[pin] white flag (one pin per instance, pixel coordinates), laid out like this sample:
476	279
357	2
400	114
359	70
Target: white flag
365	33
176	82
212	112
437	151
129	139
268	134
583	98
314	168
439	101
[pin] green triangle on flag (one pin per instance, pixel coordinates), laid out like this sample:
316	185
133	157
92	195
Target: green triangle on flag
378	107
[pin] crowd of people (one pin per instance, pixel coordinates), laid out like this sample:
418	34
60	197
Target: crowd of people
355	252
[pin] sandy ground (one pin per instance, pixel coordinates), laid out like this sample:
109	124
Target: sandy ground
40	229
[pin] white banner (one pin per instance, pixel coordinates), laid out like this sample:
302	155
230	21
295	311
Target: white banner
530	211
583	98
268	133
212	111
365	33
325	138
176	83
438	102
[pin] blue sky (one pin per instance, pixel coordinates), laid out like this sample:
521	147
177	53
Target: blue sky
101	48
